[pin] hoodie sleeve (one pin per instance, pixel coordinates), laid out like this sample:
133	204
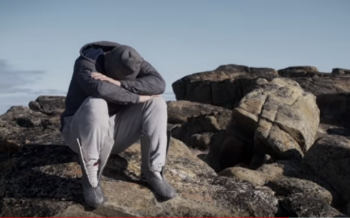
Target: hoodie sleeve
148	82
103	89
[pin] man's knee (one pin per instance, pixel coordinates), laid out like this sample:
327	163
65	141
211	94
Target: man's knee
157	105
97	105
96	111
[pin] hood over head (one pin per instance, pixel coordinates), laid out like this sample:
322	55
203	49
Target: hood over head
122	62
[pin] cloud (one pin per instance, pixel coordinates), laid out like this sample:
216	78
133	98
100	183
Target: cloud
13	81
49	92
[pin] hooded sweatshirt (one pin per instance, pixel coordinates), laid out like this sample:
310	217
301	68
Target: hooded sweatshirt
82	85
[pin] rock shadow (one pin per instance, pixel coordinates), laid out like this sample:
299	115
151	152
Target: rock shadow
37	171
46	172
116	169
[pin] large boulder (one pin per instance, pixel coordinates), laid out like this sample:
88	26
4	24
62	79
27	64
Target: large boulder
280	117
196	124
329	158
44	181
223	87
283	117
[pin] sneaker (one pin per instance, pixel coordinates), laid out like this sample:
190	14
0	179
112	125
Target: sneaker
157	181
93	193
93	196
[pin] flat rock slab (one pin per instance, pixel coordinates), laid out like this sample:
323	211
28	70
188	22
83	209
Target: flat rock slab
44	181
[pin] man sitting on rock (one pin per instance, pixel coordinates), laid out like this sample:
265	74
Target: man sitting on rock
113	101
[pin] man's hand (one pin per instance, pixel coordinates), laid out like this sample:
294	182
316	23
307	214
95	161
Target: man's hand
102	77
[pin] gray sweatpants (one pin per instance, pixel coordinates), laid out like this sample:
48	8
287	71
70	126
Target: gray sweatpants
99	134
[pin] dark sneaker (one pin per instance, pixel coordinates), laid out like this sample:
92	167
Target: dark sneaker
159	184
93	196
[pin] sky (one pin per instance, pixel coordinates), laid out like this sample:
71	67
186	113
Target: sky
40	39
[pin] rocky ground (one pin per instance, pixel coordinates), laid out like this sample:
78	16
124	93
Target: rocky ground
246	142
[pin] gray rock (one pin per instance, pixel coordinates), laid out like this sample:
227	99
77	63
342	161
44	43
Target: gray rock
335	108
299	71
301	205
201	141
329	158
255	177
324	85
21	125
49	105
286	186
340	71
180	112
228	84
223	87
197	123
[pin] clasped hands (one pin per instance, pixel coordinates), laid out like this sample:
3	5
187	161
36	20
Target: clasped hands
102	77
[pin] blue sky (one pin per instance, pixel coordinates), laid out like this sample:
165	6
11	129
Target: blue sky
40	40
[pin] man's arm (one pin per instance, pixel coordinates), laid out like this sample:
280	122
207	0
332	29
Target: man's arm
102	77
103	89
148	82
